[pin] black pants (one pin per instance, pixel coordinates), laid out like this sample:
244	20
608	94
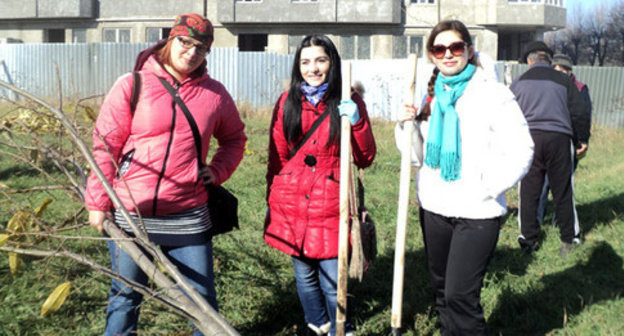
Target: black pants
554	155
458	253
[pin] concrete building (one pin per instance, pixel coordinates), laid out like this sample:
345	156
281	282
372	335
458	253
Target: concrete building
361	29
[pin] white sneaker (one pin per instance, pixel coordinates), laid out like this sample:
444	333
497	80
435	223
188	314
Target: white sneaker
320	331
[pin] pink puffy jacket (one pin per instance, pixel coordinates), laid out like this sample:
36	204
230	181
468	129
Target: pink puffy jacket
159	168
304	200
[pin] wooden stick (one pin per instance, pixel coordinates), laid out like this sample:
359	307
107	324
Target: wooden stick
404	188
343	236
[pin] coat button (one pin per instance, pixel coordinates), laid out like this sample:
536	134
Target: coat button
307	196
313	169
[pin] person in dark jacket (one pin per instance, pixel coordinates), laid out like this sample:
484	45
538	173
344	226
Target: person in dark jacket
555	112
563	63
303	189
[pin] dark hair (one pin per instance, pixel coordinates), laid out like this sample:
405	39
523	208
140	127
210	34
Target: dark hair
292	106
443	26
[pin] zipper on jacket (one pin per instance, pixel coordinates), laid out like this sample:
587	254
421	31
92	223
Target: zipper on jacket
161	175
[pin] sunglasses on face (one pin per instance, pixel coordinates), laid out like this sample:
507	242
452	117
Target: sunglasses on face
456	48
188	44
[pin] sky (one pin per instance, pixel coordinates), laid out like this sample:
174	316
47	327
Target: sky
587	4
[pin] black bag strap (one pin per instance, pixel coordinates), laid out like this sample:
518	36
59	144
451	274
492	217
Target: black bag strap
136	90
189	117
309	133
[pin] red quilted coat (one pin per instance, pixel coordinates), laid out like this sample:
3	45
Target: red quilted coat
161	177
304	200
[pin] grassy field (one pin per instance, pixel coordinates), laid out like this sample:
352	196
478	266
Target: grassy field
541	294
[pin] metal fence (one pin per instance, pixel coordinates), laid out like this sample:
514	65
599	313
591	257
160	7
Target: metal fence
256	78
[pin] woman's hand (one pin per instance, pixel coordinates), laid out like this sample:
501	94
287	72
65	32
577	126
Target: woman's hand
206	175
97	218
348	108
407	113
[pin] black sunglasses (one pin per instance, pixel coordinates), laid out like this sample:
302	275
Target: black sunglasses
456	48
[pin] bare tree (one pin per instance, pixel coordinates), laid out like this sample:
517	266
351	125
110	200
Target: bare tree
616	28
598	33
575	32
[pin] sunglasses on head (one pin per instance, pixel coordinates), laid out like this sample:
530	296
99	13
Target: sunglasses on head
188	44
456	48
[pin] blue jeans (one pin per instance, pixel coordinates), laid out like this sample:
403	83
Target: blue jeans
317	281
194	262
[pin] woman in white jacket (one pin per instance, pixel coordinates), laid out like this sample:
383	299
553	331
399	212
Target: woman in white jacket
471	143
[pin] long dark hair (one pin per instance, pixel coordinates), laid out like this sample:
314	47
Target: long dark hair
292	106
443	26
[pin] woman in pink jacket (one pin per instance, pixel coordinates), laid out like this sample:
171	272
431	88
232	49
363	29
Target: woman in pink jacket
303	187
159	176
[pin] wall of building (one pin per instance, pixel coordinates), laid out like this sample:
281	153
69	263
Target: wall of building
385	27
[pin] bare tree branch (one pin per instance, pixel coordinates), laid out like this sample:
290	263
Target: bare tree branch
200	312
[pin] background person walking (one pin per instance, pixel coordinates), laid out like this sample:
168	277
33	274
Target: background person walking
563	63
558	122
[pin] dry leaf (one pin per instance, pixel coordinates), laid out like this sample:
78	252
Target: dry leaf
18	222
15	262
3	238
42	207
56	299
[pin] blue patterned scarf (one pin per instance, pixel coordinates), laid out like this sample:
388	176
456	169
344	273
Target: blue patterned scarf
314	94
444	139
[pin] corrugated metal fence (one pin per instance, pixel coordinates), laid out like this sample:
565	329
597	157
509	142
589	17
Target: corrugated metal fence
255	78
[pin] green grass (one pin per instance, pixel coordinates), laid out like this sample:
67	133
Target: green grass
522	295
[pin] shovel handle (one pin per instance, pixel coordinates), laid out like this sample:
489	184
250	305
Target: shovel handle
343	236
404	187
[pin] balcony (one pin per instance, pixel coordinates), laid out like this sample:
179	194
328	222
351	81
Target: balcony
60	9
546	14
309	11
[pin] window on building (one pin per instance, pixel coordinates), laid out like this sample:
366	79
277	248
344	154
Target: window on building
55	36
363	47
429	2
293	43
303	1
154	34
118	35
252	42
248	0
347	47
79	35
533	1
355	47
402	45
558	3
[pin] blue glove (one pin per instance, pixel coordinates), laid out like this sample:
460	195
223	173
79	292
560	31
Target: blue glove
348	108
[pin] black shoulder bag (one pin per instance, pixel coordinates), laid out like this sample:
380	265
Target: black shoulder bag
222	205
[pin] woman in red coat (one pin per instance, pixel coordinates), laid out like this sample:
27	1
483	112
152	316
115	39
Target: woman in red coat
303	187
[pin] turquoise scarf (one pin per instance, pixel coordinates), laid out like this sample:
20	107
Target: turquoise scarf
444	140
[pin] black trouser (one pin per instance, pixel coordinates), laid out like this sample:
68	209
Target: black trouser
553	157
458	253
